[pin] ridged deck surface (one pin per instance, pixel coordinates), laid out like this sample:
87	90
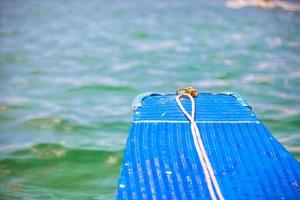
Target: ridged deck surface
161	162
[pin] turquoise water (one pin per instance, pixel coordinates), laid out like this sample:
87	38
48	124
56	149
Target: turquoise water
70	71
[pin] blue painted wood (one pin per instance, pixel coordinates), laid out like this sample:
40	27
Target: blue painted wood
161	162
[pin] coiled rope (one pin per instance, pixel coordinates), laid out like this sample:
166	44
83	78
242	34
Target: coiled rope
210	177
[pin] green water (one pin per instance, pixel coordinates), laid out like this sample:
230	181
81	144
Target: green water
69	72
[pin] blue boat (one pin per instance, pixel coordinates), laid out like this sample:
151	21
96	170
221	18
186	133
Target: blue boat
161	160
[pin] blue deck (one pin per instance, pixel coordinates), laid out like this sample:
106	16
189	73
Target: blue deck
161	162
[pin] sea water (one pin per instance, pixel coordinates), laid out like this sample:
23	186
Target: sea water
69	71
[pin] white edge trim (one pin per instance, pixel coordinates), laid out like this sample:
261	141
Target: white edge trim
199	122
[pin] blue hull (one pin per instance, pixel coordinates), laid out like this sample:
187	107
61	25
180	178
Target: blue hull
161	162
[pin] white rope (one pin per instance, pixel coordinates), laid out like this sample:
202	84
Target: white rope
210	177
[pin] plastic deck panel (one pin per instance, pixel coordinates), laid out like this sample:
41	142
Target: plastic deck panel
161	162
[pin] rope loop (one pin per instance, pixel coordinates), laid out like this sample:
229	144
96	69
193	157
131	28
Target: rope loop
211	180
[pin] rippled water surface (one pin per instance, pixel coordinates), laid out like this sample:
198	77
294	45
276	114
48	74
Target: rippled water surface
69	72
